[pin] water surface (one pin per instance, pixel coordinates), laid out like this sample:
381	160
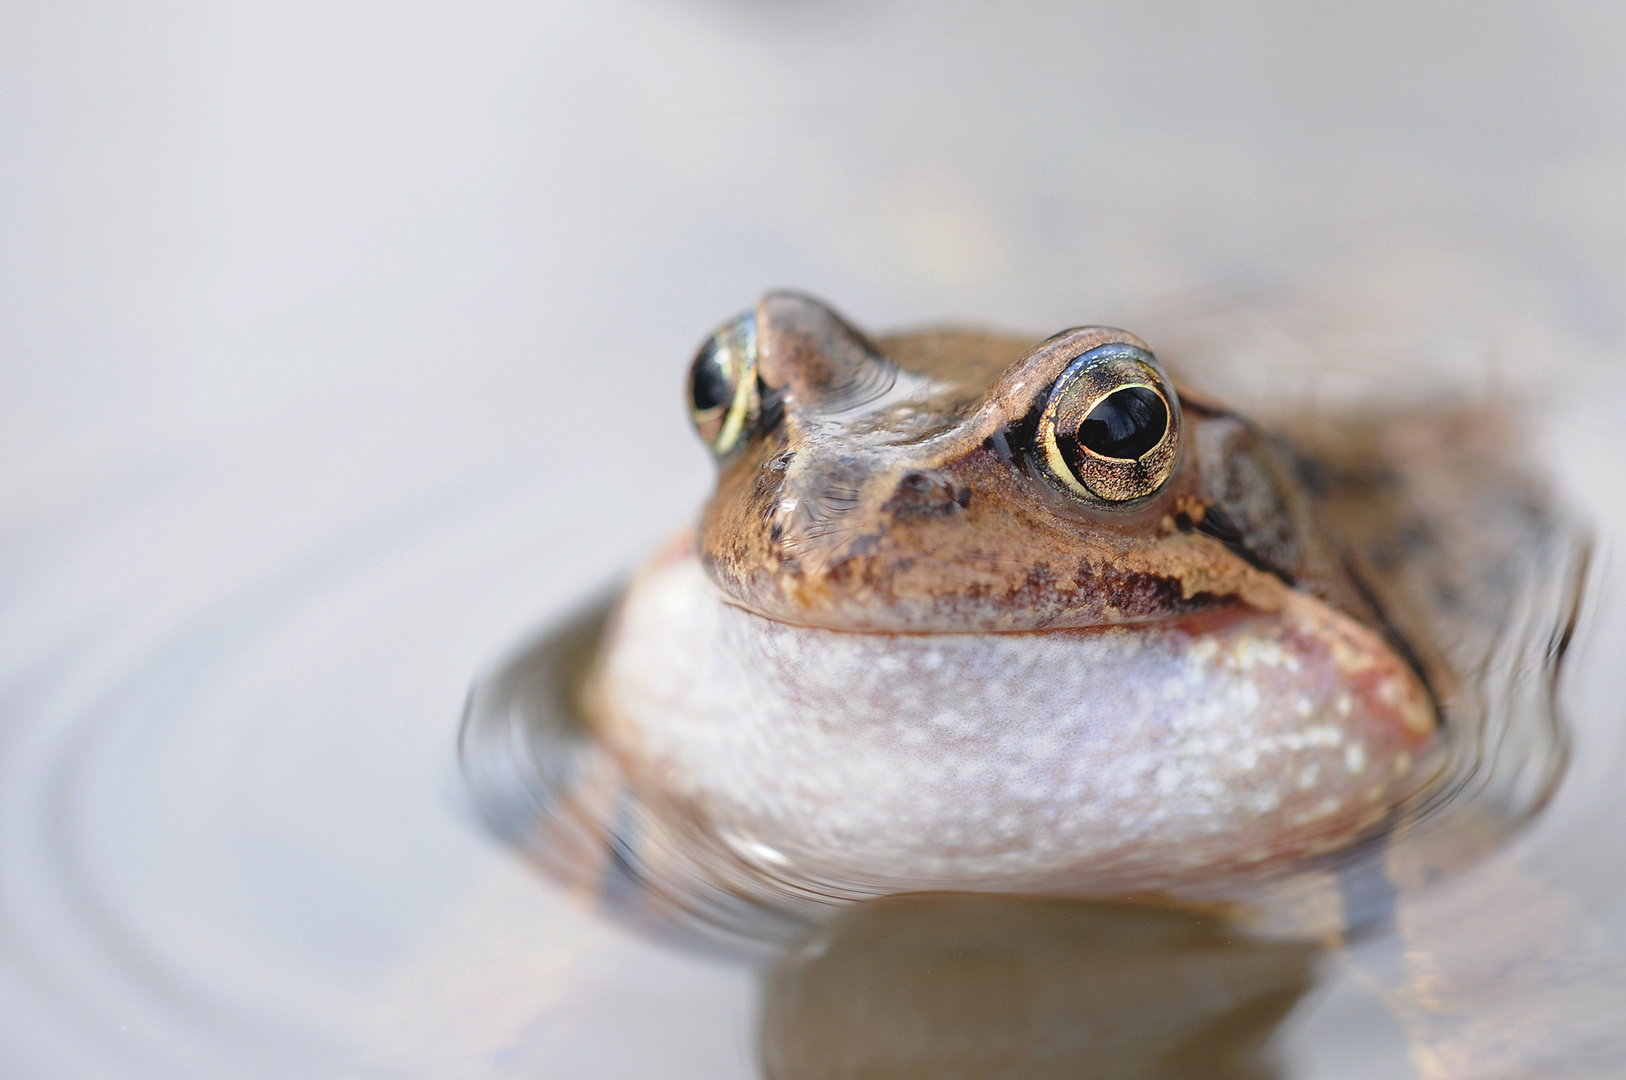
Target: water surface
342	348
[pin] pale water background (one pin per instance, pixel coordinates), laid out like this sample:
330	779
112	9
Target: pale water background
341	344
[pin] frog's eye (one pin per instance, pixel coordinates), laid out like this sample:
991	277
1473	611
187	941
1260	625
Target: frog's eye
1111	425
723	397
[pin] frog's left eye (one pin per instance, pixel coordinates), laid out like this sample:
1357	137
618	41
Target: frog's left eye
723	396
1111	425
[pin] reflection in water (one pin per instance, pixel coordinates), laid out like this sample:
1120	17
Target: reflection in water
1496	973
543	785
955	986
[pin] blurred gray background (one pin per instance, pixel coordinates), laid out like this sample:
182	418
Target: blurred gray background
341	344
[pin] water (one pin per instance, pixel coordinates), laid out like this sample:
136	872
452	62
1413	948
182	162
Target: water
966	985
342	351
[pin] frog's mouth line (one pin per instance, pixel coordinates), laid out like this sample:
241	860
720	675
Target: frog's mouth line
1398	641
1214	523
1193	621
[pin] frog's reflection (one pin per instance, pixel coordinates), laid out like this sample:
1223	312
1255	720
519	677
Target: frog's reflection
963	986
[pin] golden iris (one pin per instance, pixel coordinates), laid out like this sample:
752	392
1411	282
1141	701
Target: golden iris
723	397
1111	425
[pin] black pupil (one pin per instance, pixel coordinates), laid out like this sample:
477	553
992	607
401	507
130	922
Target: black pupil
708	382
1127	424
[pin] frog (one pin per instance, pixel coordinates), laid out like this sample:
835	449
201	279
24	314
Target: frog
967	610
972	612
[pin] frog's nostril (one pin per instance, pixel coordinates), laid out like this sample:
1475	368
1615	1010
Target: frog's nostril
927	494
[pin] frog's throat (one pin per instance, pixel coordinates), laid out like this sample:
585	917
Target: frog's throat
1134	754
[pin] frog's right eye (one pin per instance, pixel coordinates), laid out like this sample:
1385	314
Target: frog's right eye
723	398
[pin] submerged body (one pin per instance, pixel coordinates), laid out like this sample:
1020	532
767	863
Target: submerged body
966	613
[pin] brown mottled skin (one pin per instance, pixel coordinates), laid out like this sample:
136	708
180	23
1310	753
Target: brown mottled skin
930	515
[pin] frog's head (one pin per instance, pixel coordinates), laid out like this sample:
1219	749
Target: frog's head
951	482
